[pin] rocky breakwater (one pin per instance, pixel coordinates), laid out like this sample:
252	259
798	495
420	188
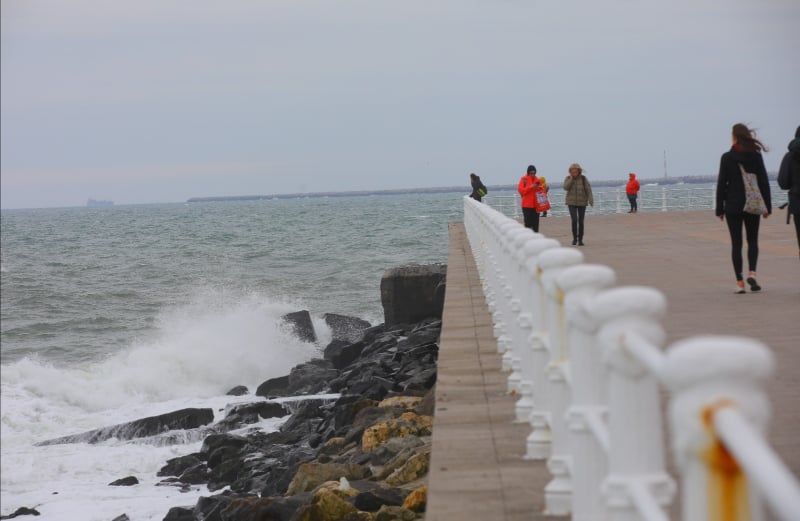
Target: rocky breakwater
356	440
358	454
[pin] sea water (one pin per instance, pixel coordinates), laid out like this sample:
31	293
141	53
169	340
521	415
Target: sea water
117	313
111	314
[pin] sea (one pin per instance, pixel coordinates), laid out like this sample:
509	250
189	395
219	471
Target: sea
115	313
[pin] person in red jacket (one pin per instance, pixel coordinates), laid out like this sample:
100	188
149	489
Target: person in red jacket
632	189
528	185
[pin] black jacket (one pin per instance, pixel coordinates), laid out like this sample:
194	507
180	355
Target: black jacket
730	185
476	184
789	175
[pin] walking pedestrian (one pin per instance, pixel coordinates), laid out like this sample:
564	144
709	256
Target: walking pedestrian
632	190
742	180
528	185
478	188
789	179
578	195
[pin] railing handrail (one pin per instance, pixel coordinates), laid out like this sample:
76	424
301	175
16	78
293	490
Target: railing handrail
586	359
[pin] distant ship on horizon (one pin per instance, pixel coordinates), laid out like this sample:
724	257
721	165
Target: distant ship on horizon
95	202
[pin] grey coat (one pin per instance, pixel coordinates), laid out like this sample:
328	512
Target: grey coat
579	191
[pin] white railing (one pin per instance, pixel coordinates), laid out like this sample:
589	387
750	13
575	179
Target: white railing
586	360
651	199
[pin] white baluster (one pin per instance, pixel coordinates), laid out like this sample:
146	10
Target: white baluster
538	442
706	374
588	435
558	491
630	322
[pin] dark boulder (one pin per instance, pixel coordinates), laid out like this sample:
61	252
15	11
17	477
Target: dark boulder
195	475
183	419
242	414
348	329
176	466
179	514
372	500
341	353
310	377
300	324
413	293
239	390
124	482
22	511
274	387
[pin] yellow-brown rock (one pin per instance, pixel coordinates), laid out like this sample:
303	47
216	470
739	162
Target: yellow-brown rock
311	475
325	506
415	467
417	499
408	424
387	513
404	402
335	487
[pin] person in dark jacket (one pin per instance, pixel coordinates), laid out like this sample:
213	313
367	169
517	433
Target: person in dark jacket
478	189
746	151
789	179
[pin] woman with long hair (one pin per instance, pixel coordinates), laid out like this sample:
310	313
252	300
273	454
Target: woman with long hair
743	158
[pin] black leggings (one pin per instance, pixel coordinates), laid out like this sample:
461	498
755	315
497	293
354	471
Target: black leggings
531	218
751	223
576	214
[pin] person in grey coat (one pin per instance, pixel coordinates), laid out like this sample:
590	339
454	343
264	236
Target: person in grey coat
579	194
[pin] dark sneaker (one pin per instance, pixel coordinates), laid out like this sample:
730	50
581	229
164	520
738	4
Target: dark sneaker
753	284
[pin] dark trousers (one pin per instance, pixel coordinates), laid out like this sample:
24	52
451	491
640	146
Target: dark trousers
531	218
634	204
576	214
751	223
796	218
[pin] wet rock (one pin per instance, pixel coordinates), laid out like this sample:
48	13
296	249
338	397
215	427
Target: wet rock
312	377
150	426
22	511
179	514
239	390
176	466
195	475
124	482
123	517
274	387
300	324
243	414
348	329
341	353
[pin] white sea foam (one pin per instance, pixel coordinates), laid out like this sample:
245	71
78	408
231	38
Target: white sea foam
197	352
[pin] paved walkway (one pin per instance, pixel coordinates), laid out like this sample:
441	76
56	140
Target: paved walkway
477	471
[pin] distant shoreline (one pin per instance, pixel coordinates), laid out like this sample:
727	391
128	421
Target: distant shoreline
438	190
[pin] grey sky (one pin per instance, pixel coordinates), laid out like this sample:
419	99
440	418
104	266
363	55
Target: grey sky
158	101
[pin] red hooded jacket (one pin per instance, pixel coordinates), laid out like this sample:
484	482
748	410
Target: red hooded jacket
632	188
527	188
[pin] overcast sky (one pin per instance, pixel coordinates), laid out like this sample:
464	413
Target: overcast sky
158	101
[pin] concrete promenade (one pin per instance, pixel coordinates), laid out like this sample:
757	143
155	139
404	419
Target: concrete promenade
476	469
